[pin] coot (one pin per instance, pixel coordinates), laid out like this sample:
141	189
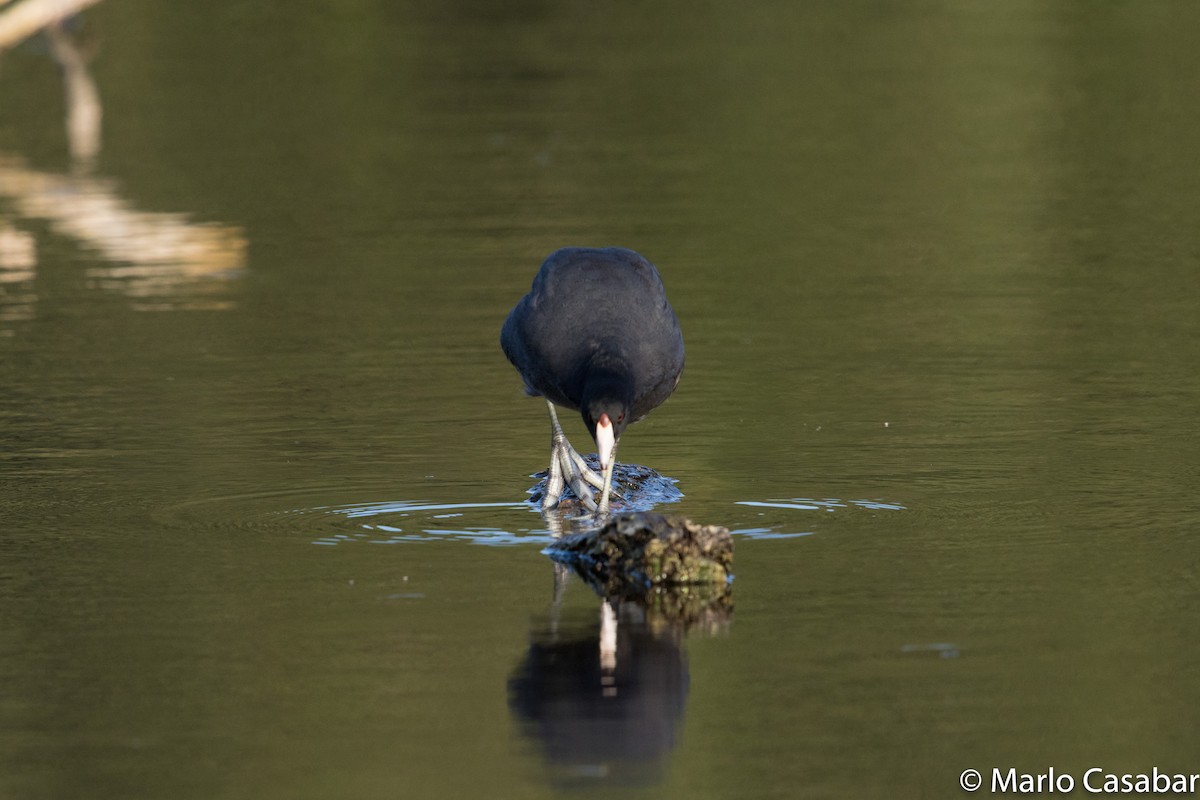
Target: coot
596	335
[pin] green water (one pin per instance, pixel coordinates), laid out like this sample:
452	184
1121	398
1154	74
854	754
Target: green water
261	459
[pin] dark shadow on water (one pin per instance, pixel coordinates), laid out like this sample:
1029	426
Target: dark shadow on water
602	691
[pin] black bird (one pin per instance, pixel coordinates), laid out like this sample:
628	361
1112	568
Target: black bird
596	335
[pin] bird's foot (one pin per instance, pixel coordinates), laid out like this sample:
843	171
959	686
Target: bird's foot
568	468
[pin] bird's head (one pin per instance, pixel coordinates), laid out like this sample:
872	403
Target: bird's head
606	409
606	421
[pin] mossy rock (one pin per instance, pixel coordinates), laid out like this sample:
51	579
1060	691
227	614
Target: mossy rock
644	550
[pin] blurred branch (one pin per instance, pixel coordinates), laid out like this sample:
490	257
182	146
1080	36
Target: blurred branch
83	99
28	17
153	255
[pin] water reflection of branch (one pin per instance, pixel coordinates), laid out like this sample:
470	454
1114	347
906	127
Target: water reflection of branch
83	99
30	16
156	254
18	257
162	260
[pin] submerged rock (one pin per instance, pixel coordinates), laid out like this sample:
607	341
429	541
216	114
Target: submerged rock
637	551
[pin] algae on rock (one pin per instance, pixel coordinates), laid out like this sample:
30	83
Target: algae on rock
643	550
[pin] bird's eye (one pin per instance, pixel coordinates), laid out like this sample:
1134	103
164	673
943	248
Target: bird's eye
620	417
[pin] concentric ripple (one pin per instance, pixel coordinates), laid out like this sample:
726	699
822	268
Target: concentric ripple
783	526
828	504
404	521
301	513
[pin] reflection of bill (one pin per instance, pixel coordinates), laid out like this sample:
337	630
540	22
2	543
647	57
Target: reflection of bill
604	698
160	260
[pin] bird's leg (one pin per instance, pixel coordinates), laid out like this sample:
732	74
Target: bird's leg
554	477
567	466
607	477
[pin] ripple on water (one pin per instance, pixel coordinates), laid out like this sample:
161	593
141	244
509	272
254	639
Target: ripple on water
785	529
404	521
496	524
307	513
828	504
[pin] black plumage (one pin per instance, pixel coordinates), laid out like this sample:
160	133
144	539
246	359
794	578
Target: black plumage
597	335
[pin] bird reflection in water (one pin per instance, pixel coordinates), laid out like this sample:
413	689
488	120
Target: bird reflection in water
603	692
158	260
604	697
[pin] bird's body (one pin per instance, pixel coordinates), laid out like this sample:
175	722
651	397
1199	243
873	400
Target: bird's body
596	335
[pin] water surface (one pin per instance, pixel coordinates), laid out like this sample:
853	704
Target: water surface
263	468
